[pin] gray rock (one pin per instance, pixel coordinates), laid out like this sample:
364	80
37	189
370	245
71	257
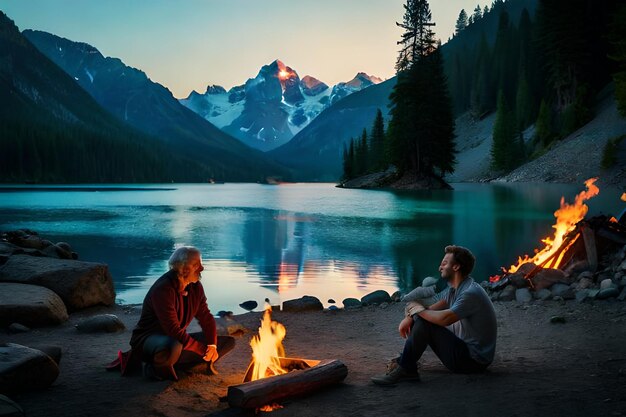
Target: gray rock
333	308
79	284
30	305
9	249
592	292
102	323
25	369
351	303
429	281
306	303
507	294
618	276
559	289
249	305
228	326
585	275
376	297
9	408
55	352
543	294
396	296
622	295
608	293
523	295
547	277
18	328
583	283
606	284
622	282
582	296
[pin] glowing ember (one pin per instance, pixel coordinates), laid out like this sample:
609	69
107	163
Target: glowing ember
623	197
566	218
269	408
267	347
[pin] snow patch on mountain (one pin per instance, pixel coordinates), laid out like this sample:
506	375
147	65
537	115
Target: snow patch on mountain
269	109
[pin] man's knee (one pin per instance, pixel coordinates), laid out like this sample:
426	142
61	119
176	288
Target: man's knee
162	350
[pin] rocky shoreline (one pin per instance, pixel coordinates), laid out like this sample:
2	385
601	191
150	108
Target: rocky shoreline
32	350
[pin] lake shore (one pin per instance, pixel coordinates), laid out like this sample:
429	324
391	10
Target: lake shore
575	368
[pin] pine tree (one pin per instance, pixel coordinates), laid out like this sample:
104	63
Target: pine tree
363	154
418	39
504	145
421	129
543	129
617	36
377	143
461	22
477	13
347	164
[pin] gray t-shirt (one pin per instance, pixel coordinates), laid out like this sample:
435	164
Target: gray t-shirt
477	326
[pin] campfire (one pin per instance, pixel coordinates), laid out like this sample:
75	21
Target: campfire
577	245
272	377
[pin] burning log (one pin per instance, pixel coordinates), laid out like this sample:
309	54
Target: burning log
264	391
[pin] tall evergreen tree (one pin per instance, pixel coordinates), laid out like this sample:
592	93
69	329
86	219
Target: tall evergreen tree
377	143
617	36
461	22
477	13
418	39
421	129
505	145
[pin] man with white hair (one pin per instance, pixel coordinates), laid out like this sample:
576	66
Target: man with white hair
160	338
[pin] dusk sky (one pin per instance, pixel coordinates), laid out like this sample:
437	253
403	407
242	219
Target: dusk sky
186	45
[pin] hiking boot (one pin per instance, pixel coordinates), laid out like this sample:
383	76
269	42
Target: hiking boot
394	376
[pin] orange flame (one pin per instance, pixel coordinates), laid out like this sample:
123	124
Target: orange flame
566	218
623	197
269	408
267	347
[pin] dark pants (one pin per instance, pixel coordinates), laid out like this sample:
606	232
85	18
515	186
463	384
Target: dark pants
164	353
452	351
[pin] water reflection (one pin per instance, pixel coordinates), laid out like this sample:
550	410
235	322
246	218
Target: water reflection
284	242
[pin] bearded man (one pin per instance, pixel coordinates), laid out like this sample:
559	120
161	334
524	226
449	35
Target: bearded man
460	326
160	339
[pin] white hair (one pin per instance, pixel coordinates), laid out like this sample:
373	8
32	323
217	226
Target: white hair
181	256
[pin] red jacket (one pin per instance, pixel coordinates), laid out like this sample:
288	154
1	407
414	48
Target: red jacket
166	311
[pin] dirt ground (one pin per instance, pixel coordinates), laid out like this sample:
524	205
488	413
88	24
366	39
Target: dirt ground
576	368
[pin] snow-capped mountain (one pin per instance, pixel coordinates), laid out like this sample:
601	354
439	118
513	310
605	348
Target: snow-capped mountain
268	110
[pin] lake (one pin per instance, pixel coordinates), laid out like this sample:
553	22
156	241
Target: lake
284	241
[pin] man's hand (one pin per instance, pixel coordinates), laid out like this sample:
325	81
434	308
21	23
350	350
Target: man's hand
211	354
405	327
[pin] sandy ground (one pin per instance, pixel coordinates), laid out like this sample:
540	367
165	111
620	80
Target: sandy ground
541	369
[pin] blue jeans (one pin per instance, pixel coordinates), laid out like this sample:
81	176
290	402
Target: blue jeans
164	353
452	351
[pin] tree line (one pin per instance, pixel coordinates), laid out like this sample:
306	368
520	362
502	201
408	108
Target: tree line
543	69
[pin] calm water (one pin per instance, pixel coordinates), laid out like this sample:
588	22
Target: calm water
282	242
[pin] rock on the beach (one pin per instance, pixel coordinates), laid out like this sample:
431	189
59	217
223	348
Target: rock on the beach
376	297
562	290
622	295
249	305
25	369
351	303
227	326
306	303
30	305
507	294
18	328
608	293
9	408
582	296
606	283
543	294
584	283
523	295
101	323
547	277
79	284
396	296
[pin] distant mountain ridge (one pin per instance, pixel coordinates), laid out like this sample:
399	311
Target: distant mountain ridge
268	110
51	130
148	106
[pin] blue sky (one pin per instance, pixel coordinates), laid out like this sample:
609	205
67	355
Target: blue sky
188	44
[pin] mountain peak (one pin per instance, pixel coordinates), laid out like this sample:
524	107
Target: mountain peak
362	80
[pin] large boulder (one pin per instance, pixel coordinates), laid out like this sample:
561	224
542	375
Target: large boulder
306	303
25	369
79	284
376	297
101	323
30	305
